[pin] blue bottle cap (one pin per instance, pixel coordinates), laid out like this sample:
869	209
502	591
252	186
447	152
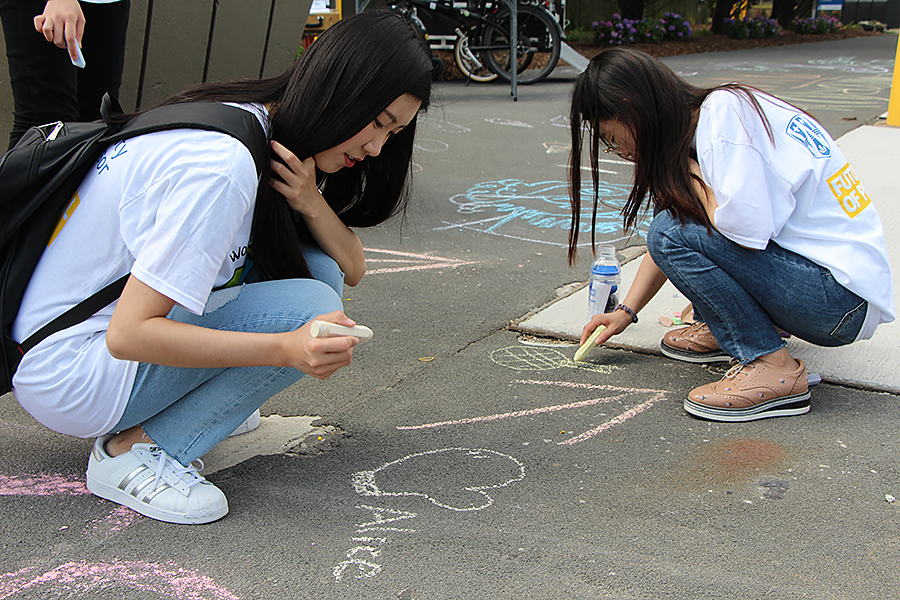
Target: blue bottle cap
605	270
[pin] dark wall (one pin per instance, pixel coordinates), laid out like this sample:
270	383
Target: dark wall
190	40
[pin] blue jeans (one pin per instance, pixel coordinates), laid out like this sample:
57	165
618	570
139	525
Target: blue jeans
188	411
743	294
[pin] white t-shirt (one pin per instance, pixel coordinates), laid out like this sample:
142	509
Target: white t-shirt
799	192
172	208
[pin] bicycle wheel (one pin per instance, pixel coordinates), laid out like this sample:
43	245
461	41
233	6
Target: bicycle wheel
468	63
538	44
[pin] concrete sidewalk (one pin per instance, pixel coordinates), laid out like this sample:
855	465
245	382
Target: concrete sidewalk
874	153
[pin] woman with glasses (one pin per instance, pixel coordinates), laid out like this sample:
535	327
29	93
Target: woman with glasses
759	221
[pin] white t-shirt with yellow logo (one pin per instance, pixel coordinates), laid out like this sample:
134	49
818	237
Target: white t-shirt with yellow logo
799	192
174	209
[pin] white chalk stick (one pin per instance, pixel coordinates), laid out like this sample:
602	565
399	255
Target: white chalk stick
320	329
79	62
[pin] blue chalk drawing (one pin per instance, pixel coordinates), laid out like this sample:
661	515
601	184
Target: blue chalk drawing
540	212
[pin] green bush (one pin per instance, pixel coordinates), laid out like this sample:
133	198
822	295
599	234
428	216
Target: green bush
756	28
578	35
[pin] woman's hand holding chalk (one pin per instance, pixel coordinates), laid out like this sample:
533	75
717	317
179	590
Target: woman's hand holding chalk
320	329
589	343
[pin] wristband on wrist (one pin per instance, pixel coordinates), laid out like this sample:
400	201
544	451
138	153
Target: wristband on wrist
633	314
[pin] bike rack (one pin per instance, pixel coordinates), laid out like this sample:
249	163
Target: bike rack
513	42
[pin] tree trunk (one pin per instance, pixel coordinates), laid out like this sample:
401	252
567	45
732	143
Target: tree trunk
631	9
722	11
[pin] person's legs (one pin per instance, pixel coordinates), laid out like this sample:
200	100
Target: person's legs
188	411
41	75
176	415
103	48
324	268
742	295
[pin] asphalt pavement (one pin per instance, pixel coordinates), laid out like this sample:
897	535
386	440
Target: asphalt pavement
462	457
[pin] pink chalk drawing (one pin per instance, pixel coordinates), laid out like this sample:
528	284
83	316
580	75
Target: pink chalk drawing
117	520
40	485
168	580
407	261
618	394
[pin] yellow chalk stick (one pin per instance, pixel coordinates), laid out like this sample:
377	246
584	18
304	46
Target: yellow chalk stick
589	343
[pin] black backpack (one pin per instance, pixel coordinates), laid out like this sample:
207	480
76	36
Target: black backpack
39	177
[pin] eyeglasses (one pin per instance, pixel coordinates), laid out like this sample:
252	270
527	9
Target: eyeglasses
611	147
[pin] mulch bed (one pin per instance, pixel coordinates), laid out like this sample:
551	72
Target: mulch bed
695	45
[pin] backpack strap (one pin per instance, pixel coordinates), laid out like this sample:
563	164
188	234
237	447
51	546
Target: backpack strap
75	315
209	116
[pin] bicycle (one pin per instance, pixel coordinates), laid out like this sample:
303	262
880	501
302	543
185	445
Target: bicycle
487	22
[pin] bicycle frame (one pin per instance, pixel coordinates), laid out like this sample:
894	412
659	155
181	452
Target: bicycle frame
481	36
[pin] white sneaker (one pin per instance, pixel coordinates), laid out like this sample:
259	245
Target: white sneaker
149	481
251	423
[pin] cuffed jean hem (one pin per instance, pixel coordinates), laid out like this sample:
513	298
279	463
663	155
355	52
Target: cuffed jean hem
186	412
743	294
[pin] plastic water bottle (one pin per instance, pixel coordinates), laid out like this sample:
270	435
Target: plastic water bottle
605	278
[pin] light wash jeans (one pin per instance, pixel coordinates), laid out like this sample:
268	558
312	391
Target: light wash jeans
188	411
743	294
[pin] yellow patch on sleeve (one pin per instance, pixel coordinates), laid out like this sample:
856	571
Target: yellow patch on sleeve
849	191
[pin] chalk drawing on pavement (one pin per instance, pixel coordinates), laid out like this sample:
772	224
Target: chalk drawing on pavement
824	84
556	147
446	126
539	212
430	145
509	122
41	485
452	478
395	261
645	398
846	64
456	479
536	358
383	520
83	578
117	520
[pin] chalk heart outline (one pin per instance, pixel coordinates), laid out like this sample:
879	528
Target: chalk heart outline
365	482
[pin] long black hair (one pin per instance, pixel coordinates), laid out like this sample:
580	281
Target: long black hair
658	108
337	87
